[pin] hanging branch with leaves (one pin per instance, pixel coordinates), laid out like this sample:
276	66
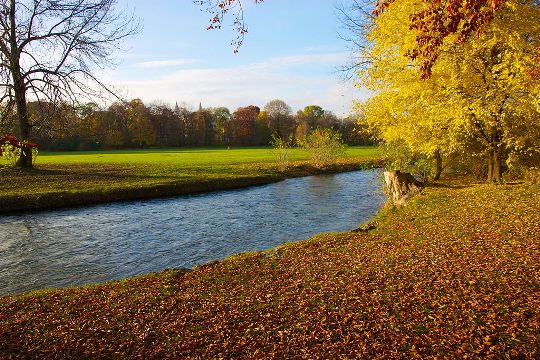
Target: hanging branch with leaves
219	10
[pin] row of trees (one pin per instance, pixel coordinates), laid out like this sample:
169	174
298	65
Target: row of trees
474	103
133	124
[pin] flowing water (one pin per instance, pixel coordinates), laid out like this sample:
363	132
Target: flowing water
106	242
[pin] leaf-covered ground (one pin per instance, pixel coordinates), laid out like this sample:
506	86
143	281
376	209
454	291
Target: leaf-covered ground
455	274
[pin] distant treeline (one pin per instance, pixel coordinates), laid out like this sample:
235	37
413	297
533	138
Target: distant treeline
133	124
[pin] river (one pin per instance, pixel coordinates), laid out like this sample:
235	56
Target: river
77	246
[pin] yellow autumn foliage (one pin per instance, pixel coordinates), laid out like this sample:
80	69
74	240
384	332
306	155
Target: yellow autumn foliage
479	100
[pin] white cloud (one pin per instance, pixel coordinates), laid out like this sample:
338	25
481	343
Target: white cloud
164	63
327	60
255	83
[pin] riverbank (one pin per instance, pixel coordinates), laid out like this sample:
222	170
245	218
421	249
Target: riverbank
76	179
454	274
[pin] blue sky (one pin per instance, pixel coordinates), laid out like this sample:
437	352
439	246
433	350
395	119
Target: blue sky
291	52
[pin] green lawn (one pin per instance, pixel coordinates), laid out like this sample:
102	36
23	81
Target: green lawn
103	172
174	158
454	274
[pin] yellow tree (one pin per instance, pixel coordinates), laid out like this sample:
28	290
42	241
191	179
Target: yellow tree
405	112
479	89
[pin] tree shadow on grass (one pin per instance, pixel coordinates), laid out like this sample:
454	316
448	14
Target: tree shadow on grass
448	185
468	183
68	172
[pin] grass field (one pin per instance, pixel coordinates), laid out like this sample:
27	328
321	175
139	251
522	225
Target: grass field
454	274
87	175
163	162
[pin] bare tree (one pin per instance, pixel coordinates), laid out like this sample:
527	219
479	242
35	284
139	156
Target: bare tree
279	118
356	19
50	49
277	107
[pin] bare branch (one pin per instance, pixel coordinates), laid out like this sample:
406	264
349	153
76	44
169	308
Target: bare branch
356	20
219	9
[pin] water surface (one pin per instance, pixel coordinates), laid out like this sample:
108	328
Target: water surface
78	246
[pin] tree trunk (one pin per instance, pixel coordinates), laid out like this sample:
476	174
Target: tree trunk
25	160
438	165
19	88
497	165
490	167
401	186
495	157
494	174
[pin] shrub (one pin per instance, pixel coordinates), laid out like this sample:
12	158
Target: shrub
11	154
400	157
282	151
324	146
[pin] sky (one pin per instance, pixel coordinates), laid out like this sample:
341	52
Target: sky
291	52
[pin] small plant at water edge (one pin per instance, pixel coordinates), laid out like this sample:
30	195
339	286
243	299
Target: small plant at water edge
324	146
282	151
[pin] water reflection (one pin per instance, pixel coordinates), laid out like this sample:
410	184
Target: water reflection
93	244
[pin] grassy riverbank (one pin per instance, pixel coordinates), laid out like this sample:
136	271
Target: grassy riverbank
454	274
67	179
